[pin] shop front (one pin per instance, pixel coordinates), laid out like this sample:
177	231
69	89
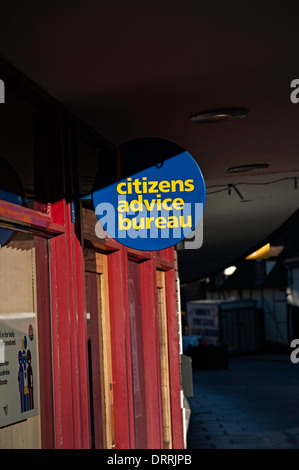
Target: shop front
89	328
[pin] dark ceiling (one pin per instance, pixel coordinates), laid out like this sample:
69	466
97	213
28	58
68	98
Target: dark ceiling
140	68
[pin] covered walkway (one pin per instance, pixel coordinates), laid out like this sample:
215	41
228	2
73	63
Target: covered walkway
253	405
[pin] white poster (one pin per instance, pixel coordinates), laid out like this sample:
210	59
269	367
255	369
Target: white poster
18	368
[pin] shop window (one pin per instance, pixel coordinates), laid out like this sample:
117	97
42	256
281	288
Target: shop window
95	159
164	364
20	315
97	168
20	150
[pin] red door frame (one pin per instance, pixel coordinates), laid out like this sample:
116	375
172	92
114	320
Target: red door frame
69	324
151	353
120	351
120	341
174	358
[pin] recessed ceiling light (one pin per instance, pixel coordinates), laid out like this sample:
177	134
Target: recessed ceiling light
218	115
248	167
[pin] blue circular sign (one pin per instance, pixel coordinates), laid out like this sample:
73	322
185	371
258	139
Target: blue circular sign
155	208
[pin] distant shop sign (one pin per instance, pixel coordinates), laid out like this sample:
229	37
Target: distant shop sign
155	208
203	321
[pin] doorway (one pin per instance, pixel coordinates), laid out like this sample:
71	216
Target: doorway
99	351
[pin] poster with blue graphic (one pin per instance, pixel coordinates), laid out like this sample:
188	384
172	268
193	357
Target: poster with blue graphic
19	397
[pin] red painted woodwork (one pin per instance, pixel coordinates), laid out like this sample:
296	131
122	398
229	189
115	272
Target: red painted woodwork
69	339
62	389
121	361
82	342
151	354
137	356
29	218
70	371
121	346
174	361
44	346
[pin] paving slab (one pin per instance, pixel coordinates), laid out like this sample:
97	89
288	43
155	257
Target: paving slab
251	405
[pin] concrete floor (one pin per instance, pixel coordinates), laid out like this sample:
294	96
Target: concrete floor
252	405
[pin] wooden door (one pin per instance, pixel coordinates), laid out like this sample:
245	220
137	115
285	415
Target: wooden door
137	358
164	360
99	345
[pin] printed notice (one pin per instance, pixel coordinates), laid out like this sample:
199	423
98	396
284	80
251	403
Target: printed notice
18	368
